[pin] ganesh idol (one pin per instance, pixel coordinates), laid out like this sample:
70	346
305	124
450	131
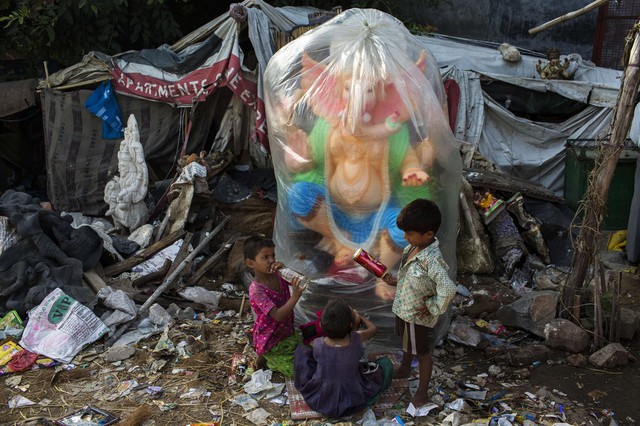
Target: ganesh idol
358	128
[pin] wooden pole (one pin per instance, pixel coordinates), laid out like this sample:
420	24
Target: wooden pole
202	270
142	312
568	16
586	244
576	308
468	219
142	255
46	74
244	296
614	327
597	308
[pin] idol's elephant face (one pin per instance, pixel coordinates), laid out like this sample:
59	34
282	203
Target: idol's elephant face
340	97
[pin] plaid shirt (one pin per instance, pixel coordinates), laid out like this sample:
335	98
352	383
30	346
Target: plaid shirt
423	280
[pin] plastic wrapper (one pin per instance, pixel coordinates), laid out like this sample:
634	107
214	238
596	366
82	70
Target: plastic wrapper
60	327
358	128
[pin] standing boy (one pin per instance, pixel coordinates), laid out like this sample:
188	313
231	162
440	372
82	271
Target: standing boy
424	291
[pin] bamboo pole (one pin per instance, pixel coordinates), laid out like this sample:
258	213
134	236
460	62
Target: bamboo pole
142	312
576	306
614	328
83	83
467	216
202	270
586	244
568	16
46	74
597	308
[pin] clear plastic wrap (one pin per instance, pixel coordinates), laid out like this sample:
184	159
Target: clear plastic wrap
358	128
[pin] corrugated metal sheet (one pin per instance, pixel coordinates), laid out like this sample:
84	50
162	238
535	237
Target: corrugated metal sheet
614	22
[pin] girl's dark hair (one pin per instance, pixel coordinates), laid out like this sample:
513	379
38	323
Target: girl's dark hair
253	245
336	319
421	216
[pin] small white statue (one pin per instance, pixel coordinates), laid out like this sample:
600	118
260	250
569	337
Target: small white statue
125	193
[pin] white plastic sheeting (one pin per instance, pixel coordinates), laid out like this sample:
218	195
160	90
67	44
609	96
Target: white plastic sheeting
358	129
518	146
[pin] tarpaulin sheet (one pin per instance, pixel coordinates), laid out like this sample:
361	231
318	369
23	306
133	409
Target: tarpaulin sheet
17	96
80	162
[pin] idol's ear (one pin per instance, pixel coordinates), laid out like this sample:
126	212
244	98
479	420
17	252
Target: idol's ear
311	71
393	106
321	89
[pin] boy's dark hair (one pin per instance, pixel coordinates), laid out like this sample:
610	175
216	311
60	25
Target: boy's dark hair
420	215
253	245
337	319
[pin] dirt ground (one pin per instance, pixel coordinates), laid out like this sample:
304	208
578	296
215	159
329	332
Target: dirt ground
586	395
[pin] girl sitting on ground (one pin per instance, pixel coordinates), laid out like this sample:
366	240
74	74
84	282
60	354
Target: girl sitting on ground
332	375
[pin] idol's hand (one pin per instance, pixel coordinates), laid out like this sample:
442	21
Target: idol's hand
414	177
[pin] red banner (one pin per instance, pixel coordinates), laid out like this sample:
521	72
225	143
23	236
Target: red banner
194	87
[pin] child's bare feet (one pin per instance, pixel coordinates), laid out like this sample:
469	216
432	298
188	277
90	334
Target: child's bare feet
420	398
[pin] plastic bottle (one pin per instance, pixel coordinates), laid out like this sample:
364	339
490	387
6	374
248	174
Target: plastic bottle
289	274
369	418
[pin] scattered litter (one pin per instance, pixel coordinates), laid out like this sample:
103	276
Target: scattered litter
118	353
196	393
154	264
22	361
154	390
60	327
23	388
557	392
13	381
471	386
182	351
258	416
11	325
201	295
245	401
20	401
454	419
420	412
260	381
122	389
458	405
88	416
157	365
7	351
165	345
165	406
225	314
476	395
597	395
493	326
280	401
462	290
369	418
239	365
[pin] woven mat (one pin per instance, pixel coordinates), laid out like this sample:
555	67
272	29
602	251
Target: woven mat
301	411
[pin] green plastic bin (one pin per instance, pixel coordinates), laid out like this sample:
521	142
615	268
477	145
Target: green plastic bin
579	162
